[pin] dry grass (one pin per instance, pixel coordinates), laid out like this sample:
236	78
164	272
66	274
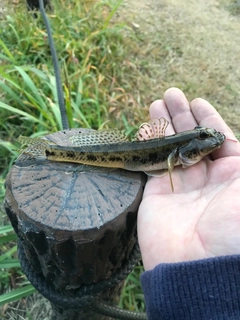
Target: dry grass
34	307
193	45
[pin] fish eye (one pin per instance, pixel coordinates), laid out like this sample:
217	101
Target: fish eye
203	135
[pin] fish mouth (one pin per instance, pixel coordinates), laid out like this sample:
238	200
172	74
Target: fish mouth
215	142
221	137
218	136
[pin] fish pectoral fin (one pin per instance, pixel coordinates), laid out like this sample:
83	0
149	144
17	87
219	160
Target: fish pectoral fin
153	129
172	159
157	173
187	162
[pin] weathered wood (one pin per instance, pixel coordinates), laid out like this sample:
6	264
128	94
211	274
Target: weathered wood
78	223
34	4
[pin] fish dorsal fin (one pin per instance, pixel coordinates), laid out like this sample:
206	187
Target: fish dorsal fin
153	129
99	137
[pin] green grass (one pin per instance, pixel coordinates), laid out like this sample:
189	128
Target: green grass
234	7
92	51
91	54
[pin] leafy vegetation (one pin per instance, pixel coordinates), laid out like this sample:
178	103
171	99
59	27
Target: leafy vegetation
92	53
234	7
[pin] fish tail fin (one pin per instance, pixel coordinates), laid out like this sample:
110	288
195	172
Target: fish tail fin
33	148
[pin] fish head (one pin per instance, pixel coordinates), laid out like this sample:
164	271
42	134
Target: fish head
204	142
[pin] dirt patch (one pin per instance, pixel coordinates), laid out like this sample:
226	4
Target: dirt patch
202	40
7	6
3	8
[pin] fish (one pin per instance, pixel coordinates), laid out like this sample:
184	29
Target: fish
151	151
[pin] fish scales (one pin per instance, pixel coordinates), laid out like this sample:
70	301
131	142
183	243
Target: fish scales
154	156
136	154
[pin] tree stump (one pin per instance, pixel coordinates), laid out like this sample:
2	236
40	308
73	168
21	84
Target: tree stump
77	223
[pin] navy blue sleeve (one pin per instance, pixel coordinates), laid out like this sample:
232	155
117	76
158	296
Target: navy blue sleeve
206	289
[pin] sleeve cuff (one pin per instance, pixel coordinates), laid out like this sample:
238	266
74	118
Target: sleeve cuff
201	289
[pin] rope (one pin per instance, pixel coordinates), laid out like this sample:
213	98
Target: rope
114	312
87	295
61	102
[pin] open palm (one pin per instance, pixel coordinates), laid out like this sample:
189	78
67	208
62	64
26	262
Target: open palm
201	219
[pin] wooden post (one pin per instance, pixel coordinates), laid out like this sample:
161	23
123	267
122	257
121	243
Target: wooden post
77	224
34	4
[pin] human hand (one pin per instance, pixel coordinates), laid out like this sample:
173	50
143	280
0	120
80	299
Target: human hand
201	219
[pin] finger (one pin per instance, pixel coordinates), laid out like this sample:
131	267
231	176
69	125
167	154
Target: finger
207	116
158	109
179	110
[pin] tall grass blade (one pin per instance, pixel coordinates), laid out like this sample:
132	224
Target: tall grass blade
17	294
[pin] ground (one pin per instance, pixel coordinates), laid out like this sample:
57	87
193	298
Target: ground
204	48
201	39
